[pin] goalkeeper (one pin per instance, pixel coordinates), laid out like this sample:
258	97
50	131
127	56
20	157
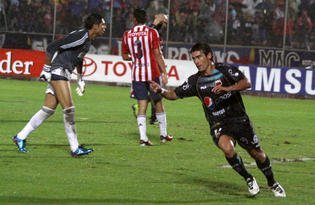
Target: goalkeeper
63	56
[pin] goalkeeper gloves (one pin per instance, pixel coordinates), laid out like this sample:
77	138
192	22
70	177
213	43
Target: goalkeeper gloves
45	75
80	86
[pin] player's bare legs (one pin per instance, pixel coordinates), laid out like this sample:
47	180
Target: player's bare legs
226	144
263	163
142	107
50	101
63	93
48	109
63	96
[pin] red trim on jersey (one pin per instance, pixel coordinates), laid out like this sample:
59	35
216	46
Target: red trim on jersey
155	45
147	63
134	67
145	56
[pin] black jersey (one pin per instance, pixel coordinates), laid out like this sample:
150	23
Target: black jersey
71	50
217	107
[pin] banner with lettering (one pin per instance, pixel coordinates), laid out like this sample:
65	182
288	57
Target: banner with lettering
21	63
112	69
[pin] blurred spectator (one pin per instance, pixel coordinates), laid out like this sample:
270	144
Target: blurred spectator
264	18
119	21
155	7
258	22
278	23
192	29
48	20
207	9
2	18
178	26
247	29
304	27
251	5
209	30
234	25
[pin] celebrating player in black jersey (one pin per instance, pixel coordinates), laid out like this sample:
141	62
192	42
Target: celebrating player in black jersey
62	57
217	86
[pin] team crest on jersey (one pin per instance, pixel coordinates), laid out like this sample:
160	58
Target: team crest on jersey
218	82
207	101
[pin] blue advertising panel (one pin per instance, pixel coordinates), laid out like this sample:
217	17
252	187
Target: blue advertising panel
288	81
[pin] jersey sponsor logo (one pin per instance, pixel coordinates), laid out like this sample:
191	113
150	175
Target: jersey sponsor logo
138	34
225	96
219	112
208	101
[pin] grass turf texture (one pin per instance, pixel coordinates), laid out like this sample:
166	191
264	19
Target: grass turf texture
189	170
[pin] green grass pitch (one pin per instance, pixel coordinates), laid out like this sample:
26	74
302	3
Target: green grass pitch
189	170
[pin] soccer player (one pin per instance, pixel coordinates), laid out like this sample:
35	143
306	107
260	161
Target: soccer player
160	20
141	44
64	56
218	88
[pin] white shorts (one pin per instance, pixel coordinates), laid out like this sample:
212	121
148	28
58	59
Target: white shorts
61	72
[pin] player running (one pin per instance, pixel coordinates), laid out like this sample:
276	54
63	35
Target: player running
217	86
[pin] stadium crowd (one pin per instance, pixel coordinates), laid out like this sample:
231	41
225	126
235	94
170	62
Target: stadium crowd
250	22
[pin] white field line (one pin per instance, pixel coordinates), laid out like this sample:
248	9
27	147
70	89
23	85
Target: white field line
277	161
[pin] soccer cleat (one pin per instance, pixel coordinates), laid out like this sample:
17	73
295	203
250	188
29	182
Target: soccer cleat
81	151
20	144
145	143
278	190
253	187
166	138
135	110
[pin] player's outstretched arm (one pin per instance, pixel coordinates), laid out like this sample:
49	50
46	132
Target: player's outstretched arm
239	86
166	93
161	64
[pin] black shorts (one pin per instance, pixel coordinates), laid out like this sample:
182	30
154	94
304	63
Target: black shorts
240	129
58	77
141	91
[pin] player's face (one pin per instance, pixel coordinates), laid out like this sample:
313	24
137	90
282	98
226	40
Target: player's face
201	60
101	28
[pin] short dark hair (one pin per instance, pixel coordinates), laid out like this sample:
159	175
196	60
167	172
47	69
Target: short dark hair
204	47
93	18
140	15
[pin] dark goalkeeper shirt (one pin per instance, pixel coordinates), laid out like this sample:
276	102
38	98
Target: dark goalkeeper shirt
71	50
222	107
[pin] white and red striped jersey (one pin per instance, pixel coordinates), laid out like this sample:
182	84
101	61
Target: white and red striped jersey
139	42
